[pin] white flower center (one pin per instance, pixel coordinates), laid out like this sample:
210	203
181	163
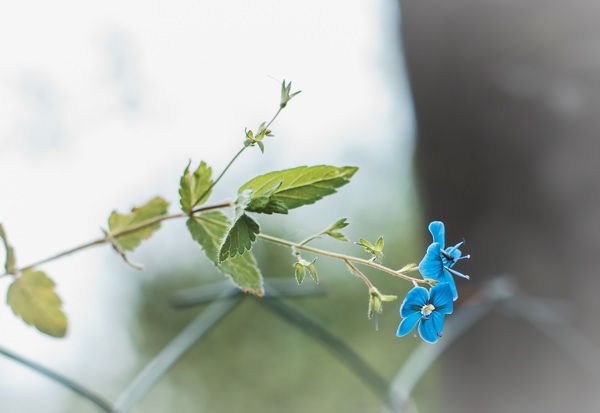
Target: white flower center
427	309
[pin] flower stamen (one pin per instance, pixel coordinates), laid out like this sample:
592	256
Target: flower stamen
427	309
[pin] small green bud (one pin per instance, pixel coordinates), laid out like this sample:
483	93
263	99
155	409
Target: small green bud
302	267
375	250
285	94
376	300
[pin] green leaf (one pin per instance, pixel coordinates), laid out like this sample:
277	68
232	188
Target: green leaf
118	223
266	202
239	238
32	297
280	191
333	232
208	229
194	189
9	265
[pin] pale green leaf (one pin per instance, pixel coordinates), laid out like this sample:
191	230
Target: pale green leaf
195	189
118	223
31	297
280	191
208	229
9	265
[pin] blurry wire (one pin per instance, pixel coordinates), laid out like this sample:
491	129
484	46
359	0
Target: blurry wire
94	398
543	317
338	347
159	366
194	296
500	294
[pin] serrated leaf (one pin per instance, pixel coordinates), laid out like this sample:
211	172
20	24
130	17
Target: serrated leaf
239	237
295	187
265	203
31	297
208	229
118	223
194	189
10	262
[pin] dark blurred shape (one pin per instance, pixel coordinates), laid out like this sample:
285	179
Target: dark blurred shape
507	99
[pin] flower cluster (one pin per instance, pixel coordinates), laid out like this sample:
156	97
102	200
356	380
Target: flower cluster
428	308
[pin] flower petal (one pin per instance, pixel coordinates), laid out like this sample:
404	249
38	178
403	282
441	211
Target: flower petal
441	297
414	301
431	266
447	278
437	321
427	330
439	232
408	324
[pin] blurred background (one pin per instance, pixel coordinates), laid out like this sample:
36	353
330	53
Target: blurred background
506	98
481	114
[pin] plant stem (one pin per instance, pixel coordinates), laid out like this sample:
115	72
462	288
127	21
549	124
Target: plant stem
346	258
274	117
234	159
359	273
221	174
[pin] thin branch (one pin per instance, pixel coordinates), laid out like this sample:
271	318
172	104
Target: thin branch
117	234
342	257
221	174
359	274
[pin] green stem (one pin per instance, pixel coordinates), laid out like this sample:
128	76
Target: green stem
343	257
233	160
359	273
220	175
274	117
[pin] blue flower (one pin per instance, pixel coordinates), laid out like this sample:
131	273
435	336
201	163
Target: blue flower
438	262
427	309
